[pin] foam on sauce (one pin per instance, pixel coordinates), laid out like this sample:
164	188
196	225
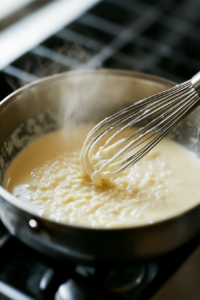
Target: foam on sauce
48	173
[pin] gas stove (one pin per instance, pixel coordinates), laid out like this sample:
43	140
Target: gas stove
153	36
28	275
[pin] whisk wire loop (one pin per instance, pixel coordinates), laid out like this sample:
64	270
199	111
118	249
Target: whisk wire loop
152	118
140	153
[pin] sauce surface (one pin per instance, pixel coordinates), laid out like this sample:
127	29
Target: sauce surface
48	174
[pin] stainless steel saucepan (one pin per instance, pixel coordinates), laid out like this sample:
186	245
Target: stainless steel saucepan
46	105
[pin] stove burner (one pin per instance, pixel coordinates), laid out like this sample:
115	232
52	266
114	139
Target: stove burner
124	279
110	284
72	290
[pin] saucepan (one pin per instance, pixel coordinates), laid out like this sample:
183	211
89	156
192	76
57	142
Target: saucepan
81	97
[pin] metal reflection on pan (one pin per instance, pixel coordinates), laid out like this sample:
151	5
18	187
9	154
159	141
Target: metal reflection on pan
42	103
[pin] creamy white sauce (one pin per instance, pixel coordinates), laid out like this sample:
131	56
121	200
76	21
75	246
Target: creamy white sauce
48	173
104	157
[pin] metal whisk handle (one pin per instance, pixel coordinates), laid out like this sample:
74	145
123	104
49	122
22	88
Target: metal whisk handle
196	82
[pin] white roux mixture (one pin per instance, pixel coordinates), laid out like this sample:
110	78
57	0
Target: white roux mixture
48	173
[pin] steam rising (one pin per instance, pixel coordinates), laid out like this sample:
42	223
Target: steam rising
52	60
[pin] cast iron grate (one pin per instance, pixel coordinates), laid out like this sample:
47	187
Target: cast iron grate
158	37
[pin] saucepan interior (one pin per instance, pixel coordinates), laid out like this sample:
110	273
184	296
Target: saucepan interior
78	98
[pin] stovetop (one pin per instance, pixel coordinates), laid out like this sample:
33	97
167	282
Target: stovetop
28	275
153	36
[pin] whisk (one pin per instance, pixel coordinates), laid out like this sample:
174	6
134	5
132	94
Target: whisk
109	147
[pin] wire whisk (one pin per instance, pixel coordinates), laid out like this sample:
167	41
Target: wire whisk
120	140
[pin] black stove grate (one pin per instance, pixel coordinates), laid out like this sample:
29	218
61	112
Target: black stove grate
28	275
158	37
